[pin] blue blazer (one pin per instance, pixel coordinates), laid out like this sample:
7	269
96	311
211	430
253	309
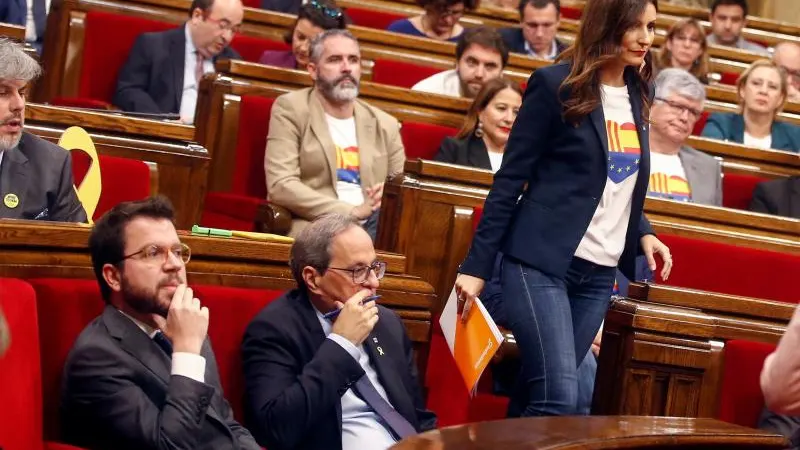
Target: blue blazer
565	169
14	12
730	127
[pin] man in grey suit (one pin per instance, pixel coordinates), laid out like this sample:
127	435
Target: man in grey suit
35	175
143	375
677	171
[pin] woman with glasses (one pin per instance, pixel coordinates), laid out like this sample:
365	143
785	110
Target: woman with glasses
314	17
762	90
685	48
439	21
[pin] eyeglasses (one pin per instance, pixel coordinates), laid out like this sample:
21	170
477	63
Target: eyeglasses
684	38
155	254
225	25
680	109
450	12
333	13
361	274
792	74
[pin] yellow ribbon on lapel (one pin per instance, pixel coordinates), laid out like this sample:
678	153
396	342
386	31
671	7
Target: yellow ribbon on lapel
76	138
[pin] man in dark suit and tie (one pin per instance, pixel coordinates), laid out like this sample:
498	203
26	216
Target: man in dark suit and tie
143	375
35	175
316	380
536	35
31	14
164	69
777	197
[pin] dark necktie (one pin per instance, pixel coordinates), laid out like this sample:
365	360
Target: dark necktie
163	342
198	68
39	17
392	419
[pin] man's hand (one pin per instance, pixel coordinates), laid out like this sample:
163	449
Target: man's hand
186	324
356	321
375	193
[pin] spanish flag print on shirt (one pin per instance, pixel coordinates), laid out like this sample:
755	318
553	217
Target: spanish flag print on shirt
624	152
668	179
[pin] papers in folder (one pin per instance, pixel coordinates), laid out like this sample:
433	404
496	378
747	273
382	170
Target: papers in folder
473	343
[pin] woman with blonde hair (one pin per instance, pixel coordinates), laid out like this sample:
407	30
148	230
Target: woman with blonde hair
685	47
762	90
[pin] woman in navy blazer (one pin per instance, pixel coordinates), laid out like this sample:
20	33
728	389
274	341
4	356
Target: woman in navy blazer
762	89
314	17
566	205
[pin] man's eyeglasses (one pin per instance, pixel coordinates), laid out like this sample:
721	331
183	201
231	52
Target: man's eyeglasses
225	25
155	254
690	39
680	109
451	12
333	13
361	274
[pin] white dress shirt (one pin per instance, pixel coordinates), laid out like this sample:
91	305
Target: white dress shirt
442	83
185	364
361	428
550	57
31	33
189	97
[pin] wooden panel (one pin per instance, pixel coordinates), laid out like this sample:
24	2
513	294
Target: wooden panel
9	30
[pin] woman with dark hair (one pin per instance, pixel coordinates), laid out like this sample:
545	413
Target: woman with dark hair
482	140
439	21
314	17
685	47
566	205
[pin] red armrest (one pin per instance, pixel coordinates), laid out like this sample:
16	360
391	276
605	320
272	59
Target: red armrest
81	102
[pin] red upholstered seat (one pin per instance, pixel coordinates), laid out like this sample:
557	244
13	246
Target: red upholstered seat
571	12
236	209
123	179
21	372
741	400
400	73
737	190
700	124
422	140
250	48
108	40
729	78
252	3
371	18
734	270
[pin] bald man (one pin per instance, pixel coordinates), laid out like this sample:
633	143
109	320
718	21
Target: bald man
787	55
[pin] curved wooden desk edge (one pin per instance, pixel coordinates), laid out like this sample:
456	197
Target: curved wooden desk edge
593	432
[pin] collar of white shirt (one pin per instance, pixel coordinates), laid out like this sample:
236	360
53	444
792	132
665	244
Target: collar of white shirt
553	50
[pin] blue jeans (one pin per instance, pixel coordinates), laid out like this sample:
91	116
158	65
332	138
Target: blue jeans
554	321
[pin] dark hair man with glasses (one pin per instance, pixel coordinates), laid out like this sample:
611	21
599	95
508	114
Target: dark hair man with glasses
164	69
143	375
345	383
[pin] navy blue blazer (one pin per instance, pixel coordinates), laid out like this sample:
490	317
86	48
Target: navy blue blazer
14	12
151	81
515	40
565	169
730	127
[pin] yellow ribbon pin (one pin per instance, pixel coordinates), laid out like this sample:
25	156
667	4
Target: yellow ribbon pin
11	201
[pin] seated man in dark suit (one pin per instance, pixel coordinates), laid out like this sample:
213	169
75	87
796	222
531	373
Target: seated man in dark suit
777	197
536	36
164	69
788	426
35	175
318	381
143	375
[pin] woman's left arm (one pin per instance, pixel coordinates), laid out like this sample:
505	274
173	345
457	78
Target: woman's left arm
652	245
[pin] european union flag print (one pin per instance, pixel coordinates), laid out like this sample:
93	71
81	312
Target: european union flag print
624	152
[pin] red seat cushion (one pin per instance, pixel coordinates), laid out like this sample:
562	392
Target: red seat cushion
108	40
371	18
700	124
122	179
735	270
250	48
729	78
571	12
400	73
741	399
737	190
422	140
20	371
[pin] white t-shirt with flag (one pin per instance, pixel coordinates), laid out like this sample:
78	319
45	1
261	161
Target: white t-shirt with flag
604	240
667	178
348	163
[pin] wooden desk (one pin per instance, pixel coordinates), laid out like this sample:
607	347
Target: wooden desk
663	348
30	249
583	433
182	164
10	30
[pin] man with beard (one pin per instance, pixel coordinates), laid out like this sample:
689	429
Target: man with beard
481	56
163	70
327	151
35	176
143	375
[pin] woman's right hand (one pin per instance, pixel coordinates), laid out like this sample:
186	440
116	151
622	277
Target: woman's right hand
467	288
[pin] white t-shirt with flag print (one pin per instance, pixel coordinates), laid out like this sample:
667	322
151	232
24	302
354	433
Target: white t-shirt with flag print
604	240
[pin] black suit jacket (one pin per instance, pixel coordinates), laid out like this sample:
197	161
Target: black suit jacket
151	81
295	377
788	426
39	174
470	152
515	41
777	197
118	394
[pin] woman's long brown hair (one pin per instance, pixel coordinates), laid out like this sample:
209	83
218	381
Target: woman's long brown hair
603	25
